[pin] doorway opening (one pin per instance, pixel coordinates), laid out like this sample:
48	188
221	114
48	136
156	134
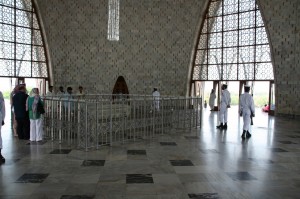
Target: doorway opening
262	91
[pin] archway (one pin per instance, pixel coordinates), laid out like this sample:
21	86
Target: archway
232	44
120	86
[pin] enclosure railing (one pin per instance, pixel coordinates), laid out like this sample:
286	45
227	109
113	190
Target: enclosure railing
91	121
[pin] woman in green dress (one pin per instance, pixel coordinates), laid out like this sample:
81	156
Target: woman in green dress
36	122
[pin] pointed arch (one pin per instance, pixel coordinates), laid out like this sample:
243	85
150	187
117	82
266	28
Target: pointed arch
233	43
120	86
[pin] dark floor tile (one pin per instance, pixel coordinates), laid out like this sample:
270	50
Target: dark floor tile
286	142
136	152
87	163
168	143
240	176
76	197
278	150
32	178
204	196
138	178
37	143
104	143
191	137
181	163
61	151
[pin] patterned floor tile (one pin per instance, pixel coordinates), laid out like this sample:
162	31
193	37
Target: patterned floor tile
181	163
240	176
32	178
61	151
136	152
87	163
168	143
139	178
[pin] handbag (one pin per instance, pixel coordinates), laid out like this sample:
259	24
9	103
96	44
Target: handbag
40	108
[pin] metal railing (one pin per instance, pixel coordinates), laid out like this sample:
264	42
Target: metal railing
91	121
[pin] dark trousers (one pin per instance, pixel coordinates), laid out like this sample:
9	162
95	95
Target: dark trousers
23	128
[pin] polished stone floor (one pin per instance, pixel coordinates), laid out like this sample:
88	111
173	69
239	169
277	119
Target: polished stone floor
198	164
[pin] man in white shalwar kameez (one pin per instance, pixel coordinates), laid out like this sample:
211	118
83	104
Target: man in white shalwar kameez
224	105
247	110
156	96
212	98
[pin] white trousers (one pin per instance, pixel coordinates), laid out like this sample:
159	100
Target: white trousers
36	130
156	104
0	132
223	113
247	120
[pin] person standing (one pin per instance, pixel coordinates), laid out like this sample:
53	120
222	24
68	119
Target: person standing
22	117
68	97
156	96
80	93
14	121
36	122
247	110
61	91
50	92
224	105
2	117
212	98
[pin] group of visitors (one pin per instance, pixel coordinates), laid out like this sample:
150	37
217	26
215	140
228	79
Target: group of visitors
62	93
246	108
27	118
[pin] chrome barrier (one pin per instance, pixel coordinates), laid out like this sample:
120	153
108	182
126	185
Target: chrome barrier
91	121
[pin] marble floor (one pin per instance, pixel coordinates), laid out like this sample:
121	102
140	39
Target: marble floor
182	164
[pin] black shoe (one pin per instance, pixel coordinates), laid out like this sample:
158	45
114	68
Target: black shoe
225	126
2	159
220	126
248	135
244	134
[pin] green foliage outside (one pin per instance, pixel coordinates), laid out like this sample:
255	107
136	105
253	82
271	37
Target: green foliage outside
6	94
259	99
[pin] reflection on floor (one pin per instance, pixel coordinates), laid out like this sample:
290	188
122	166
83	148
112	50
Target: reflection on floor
201	163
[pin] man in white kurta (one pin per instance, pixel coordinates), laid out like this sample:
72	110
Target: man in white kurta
224	105
2	117
247	110
156	96
50	92
212	98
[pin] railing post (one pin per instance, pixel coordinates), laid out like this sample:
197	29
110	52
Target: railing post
96	128
78	126
52	120
61	122
110	124
162	116
86	126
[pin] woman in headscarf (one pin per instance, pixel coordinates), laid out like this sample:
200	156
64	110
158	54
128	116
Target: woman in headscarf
36	123
2	117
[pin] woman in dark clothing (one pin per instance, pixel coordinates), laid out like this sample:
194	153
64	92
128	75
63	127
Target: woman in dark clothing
22	117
